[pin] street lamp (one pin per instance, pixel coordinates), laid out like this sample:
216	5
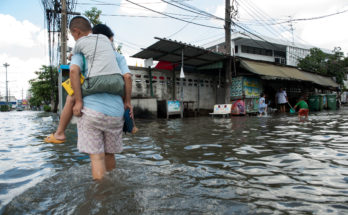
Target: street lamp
6	65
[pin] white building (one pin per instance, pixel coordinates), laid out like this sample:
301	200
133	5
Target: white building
263	48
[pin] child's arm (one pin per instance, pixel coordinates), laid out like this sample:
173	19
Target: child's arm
76	85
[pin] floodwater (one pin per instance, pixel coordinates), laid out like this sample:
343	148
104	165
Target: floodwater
238	165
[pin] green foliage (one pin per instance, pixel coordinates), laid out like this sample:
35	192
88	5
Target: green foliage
4	108
44	88
326	64
93	15
314	62
47	108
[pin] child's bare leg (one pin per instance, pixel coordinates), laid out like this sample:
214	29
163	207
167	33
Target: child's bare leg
65	118
110	162
98	166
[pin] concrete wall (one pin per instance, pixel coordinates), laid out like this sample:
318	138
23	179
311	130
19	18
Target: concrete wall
149	104
293	54
197	87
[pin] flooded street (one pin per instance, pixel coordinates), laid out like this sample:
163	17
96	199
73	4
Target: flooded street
238	165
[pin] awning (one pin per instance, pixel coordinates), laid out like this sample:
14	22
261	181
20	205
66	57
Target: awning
271	71
218	65
170	51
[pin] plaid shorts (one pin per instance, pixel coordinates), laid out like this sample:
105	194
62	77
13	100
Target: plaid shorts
99	133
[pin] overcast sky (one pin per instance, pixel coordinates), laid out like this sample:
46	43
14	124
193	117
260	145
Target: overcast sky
23	40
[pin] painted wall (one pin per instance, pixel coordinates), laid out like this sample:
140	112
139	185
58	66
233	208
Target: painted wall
200	88
293	54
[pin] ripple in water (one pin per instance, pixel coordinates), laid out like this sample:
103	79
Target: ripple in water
242	165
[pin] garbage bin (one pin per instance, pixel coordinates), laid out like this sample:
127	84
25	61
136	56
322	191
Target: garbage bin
324	101
321	102
331	101
314	103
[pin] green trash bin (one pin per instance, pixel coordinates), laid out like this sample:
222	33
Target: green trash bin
321	102
314	103
324	101
331	101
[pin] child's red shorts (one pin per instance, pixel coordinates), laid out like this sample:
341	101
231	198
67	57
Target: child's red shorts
303	112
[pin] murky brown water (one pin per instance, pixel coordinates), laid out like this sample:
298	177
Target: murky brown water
242	165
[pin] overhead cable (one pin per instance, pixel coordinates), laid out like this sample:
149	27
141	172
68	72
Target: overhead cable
312	18
209	26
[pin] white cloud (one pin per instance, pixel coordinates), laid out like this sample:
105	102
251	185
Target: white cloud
132	9
17	33
24	46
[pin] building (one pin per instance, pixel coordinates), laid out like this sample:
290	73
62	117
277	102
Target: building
155	89
263	49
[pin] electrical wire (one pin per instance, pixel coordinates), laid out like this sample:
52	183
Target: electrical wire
192	11
182	28
312	18
209	26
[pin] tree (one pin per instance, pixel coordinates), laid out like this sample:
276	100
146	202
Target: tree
335	65
314	62
44	88
93	15
327	64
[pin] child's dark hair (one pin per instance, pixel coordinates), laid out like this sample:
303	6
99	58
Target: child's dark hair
81	23
103	29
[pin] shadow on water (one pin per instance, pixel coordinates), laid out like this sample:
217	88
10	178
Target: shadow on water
238	165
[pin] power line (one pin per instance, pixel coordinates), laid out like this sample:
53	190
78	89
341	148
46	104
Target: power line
199	10
260	14
193	11
182	28
209	26
146	16
312	18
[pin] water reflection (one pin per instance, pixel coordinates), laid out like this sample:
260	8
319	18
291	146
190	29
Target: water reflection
238	165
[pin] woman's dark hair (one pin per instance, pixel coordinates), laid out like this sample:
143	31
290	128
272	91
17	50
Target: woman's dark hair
102	29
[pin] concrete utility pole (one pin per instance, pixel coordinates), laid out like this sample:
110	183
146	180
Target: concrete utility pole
6	65
63	39
63	47
228	78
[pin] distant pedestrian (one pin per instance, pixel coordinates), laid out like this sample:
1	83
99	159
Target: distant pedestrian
262	105
303	108
281	100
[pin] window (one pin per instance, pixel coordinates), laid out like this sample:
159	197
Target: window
279	54
258	51
236	49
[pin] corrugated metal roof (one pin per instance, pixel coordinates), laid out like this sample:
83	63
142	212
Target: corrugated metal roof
286	73
169	50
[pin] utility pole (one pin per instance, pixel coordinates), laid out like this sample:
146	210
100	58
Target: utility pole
63	38
228	50
292	30
63	42
6	65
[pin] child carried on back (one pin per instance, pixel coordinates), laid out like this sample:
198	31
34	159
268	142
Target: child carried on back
104	74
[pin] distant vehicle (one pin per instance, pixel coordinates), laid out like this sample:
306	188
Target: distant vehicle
20	108
19	105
